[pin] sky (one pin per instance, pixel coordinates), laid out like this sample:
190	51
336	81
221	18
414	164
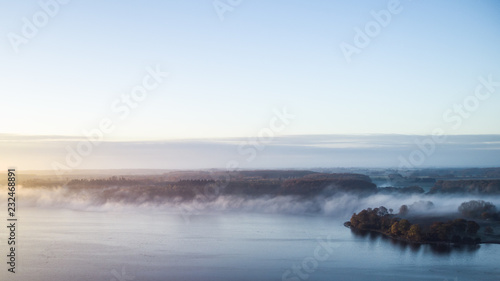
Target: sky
191	72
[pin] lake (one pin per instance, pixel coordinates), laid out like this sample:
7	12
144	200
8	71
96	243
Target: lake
135	244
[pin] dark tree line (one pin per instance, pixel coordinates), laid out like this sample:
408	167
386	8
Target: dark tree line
380	220
479	209
467	186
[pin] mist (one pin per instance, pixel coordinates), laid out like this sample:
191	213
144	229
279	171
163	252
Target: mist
339	205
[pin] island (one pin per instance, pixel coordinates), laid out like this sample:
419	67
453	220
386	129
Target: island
448	229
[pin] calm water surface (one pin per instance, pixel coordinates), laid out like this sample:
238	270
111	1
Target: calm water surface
57	244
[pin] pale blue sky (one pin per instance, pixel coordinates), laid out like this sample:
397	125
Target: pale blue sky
227	77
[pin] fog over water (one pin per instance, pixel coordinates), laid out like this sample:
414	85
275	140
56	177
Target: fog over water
340	205
68	234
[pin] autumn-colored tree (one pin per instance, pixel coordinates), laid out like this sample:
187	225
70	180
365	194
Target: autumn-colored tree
414	233
378	219
354	220
395	228
404	226
440	231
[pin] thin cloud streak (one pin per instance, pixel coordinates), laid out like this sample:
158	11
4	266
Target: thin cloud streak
302	151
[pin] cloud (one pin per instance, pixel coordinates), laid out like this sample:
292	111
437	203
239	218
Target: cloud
301	151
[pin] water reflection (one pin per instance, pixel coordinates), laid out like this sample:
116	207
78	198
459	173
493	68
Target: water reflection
437	249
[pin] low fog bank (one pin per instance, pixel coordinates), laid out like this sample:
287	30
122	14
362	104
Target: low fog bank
340	205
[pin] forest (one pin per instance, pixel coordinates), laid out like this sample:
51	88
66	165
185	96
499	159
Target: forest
427	230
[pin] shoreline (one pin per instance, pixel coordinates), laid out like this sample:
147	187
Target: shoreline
423	242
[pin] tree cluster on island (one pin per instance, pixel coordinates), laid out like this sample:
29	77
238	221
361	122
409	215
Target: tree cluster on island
479	209
459	231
